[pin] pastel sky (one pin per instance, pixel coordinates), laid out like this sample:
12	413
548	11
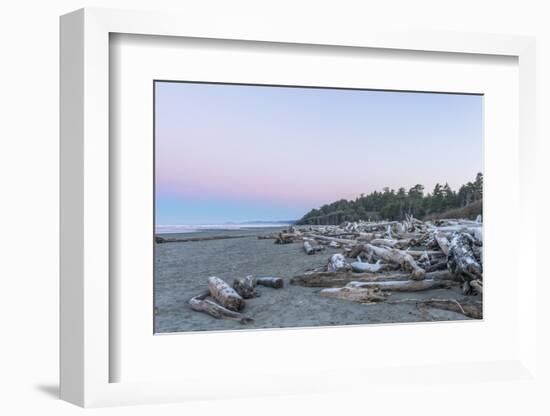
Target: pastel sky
237	153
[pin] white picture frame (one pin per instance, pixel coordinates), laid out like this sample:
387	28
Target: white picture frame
86	331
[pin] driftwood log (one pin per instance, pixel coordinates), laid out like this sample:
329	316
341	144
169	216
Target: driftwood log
311	249
443	243
404	259
337	262
200	303
363	295
225	294
403	286
274	282
246	287
342	241
362	267
339	279
368	236
422	253
461	260
390	242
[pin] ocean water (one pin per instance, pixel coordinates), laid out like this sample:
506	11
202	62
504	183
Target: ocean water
195	228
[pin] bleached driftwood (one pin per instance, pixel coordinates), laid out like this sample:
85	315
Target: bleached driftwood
274	282
379	225
311	249
404	259
403	286
477	286
443	243
337	262
339	279
469	228
308	248
368	236
225	294
478	253
200	303
387	242
343	241
361	266
400	228
245	287
462	261
367	295
477	233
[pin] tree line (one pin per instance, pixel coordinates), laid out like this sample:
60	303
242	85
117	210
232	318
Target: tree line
394	205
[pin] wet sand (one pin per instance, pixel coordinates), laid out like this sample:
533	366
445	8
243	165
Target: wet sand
182	270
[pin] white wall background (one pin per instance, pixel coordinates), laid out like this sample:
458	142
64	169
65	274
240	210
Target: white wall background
29	205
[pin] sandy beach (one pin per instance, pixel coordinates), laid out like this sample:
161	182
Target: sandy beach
182	270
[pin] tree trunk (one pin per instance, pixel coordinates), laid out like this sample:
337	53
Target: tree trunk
225	294
199	303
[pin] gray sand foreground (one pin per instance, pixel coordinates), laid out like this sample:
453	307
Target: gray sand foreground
182	271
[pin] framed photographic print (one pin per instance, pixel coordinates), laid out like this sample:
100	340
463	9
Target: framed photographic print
308	191
252	203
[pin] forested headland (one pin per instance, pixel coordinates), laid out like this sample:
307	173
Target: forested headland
390	204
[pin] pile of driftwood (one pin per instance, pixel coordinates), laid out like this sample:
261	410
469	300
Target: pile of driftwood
224	301
375	260
393	256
